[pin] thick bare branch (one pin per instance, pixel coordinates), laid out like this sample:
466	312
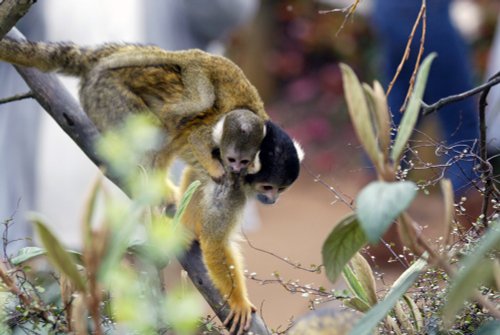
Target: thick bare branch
12	11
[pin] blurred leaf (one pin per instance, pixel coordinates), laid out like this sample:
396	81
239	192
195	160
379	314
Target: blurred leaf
186	198
392	326
164	241
89	211
360	114
415	312
411	113
62	260
380	203
403	319
354	284
183	310
27	253
356	304
490	328
343	242
449	209
475	270
496	273
364	273
370	320
381	115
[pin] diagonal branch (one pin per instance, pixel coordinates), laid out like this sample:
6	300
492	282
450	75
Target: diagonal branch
67	112
12	11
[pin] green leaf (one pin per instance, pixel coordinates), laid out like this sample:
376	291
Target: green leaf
381	116
490	328
186	198
364	273
355	285
356	304
371	319
410	115
415	312
27	253
61	259
475	270
360	114
343	242
380	203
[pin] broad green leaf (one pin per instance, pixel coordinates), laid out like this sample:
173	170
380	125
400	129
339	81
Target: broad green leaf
370	320
344	241
186	198
490	328
380	203
27	253
410	115
475	270
61	259
360	114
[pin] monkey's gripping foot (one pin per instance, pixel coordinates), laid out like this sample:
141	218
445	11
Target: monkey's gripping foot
239	318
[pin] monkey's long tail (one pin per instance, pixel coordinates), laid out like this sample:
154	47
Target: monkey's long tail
67	58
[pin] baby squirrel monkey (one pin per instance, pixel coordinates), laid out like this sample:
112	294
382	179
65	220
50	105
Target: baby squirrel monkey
186	93
204	104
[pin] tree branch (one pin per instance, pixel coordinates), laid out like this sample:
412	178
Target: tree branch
12	11
428	109
67	112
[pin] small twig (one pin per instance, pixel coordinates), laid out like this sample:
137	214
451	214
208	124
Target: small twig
27	95
314	269
423	10
349	10
407	49
428	109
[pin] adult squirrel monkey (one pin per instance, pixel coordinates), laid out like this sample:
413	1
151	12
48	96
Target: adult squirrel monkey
212	118
186	93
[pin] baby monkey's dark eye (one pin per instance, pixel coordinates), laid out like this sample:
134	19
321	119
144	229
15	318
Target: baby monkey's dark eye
245	161
231	160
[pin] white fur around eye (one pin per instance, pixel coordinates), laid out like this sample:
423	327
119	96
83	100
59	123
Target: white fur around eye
300	151
255	166
218	130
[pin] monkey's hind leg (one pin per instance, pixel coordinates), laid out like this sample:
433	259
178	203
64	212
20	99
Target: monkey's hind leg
224	265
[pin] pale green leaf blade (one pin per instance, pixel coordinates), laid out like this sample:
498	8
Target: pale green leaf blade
370	320
186	198
356	304
380	203
415	312
344	241
360	114
410	115
490	328
27	253
364	273
354	284
61	259
475	270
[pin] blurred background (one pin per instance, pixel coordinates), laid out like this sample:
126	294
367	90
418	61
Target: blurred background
290	50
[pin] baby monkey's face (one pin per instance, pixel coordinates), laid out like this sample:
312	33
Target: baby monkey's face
240	160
